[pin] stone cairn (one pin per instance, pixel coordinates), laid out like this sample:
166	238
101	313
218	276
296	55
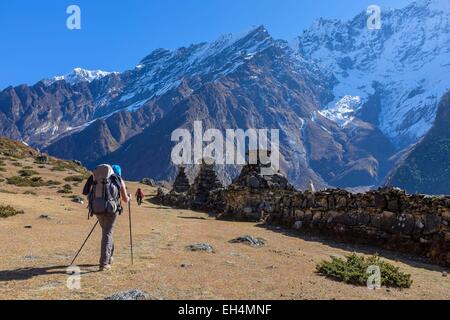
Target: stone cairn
177	197
205	183
253	176
246	197
181	183
196	196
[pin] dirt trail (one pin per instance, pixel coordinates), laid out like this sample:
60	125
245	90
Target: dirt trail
34	260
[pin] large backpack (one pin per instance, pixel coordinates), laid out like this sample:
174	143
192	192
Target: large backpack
104	195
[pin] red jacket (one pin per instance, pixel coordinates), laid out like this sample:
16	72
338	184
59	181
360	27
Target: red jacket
139	194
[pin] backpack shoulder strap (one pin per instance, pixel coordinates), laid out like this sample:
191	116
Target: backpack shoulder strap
117	181
88	186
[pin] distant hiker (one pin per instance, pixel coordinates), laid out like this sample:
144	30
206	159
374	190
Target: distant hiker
311	187
105	190
139	196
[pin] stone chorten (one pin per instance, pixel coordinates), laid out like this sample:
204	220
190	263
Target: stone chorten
251	176
205	182
181	183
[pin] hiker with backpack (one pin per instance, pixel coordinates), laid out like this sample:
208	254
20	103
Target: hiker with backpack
139	196
106	190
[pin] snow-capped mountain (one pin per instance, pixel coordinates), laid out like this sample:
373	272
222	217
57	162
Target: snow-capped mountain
398	72
164	70
342	97
79	75
246	81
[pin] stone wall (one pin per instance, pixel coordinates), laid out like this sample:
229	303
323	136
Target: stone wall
386	218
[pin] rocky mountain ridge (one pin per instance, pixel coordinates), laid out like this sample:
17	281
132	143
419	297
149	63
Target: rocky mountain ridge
342	98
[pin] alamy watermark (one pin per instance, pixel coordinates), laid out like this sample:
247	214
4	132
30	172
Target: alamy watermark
74	20
229	149
374	279
374	20
74	278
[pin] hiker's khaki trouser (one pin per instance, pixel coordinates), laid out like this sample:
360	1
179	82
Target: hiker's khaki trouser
107	221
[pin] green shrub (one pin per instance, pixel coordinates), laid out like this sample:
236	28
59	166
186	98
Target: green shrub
11	156
37	180
70	166
27	173
6	191
353	270
67	188
31	193
16	164
65	166
15	149
30	182
42	159
25	181
2	169
8	211
58	168
53	183
74	179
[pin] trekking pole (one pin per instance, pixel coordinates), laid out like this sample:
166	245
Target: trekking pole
131	233
79	251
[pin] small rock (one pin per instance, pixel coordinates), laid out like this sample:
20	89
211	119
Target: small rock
200	247
298	225
445	274
149	182
30	258
77	163
45	216
253	182
28	227
186	265
252	241
78	199
129	295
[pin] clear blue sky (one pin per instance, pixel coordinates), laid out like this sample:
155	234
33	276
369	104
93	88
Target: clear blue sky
116	35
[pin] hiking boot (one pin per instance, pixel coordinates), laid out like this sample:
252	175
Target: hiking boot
105	267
